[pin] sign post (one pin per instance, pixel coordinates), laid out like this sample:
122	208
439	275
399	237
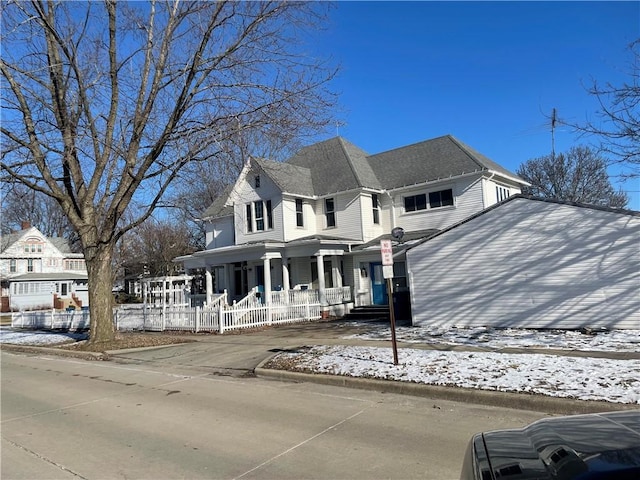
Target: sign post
386	250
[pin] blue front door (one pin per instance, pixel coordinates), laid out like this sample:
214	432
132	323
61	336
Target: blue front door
378	285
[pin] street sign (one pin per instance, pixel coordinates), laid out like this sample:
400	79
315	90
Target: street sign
386	250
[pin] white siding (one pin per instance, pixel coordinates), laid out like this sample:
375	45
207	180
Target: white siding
496	191
245	193
291	230
370	229
348	211
219	233
531	264
467	201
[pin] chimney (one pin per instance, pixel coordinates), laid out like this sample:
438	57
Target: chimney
26	225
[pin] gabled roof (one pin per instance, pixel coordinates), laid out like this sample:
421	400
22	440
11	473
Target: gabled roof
10	239
523	197
218	208
436	159
289	178
336	165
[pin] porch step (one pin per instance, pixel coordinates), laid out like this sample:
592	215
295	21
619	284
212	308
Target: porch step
369	313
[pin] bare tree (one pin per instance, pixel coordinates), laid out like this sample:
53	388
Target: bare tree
156	243
105	103
580	175
617	122
21	204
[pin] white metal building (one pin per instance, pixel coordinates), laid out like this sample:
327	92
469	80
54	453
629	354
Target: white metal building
531	263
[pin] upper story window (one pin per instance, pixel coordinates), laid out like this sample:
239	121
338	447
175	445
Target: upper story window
32	246
249	219
12	266
441	198
259	209
74	265
30	265
415	202
299	213
502	193
256	214
330	212
376	208
256	181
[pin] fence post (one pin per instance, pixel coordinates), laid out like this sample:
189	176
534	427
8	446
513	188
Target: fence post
117	320
221	319
197	323
308	308
53	311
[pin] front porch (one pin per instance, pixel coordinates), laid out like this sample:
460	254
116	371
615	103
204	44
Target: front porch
275	273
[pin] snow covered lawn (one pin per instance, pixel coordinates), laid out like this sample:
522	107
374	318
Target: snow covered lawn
38	338
582	378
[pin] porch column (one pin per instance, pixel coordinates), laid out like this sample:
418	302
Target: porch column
208	284
321	285
267	280
285	274
335	271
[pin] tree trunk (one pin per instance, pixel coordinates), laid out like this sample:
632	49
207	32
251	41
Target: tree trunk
100	297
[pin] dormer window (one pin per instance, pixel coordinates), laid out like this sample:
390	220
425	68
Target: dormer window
256	181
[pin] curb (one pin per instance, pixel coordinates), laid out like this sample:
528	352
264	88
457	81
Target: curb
519	401
55	351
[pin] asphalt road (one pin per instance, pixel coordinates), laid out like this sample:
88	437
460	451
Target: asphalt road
195	411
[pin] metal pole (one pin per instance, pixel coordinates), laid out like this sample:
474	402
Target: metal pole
393	321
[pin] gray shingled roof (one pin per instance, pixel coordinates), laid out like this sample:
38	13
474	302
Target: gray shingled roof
439	158
289	178
337	165
218	209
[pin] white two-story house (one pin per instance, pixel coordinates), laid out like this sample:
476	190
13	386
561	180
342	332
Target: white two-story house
316	220
39	272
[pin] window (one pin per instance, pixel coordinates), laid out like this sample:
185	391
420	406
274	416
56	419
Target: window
259	209
269	215
256	181
502	193
299	213
442	198
12	265
255	216
26	248
30	265
249	219
329	212
415	202
376	208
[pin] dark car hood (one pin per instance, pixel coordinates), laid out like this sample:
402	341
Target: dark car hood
596	446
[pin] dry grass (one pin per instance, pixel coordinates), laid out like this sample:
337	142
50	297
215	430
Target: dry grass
127	340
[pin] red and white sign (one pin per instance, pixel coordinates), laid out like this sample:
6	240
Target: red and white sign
386	250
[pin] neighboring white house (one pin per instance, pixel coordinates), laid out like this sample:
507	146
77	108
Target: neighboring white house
316	220
531	263
39	272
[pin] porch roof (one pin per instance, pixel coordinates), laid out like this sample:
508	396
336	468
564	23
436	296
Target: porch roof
409	239
43	277
301	247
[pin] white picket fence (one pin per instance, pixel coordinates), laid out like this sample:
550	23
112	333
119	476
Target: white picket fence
285	307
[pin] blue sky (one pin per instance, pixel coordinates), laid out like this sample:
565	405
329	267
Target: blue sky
488	73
